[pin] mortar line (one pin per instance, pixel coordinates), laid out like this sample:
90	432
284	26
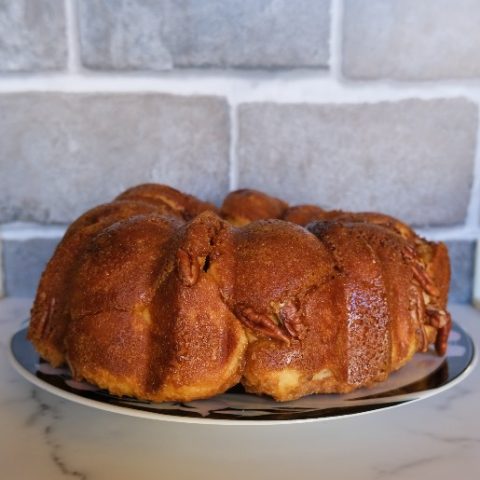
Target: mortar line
233	161
282	87
448	233
257	74
473	211
476	277
2	286
71	26
22	231
473	215
336	18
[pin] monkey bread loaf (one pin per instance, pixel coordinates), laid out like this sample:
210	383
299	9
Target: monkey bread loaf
160	296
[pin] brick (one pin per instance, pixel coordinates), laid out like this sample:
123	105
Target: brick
24	261
63	153
2	287
411	40
160	35
32	35
462	258
412	159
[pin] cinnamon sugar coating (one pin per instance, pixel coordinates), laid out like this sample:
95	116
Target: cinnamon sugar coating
160	296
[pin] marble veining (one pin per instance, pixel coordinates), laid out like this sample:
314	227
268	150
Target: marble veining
45	437
444	402
407	467
51	415
463	441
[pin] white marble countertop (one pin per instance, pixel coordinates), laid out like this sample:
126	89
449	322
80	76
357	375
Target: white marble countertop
44	437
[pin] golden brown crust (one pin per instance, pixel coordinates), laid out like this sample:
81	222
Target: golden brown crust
275	282
155	296
367	316
182	204
376	219
50	312
150	332
109	339
304	214
244	206
201	344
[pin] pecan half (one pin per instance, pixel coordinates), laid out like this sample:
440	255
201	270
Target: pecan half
260	323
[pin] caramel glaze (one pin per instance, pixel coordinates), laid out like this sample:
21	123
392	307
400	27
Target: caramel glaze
156	296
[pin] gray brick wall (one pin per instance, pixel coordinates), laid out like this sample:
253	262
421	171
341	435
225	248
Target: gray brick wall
24	261
462	257
361	105
160	35
32	35
2	272
364	157
59	149
411	40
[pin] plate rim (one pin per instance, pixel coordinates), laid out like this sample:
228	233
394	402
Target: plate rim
148	415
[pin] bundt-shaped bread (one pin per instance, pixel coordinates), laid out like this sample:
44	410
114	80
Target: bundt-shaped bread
159	296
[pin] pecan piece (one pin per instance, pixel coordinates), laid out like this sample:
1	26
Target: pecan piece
410	253
291	319
419	271
442	336
438	318
417	314
425	281
260	322
188	268
441	320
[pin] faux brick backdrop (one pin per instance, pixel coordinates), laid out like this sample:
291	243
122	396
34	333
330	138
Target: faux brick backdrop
364	157
32	35
411	39
65	153
160	35
362	105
